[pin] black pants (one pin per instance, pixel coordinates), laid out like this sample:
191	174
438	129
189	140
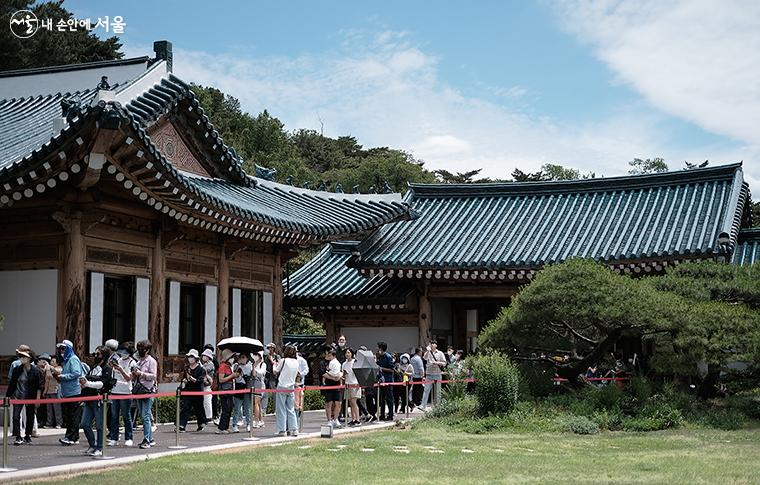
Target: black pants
72	414
401	397
29	425
385	401
362	408
416	391
214	406
371	396
224	419
192	404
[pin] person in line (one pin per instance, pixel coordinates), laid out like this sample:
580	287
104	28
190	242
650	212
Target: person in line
271	357
287	372
340	348
145	376
214	399
42	364
436	362
404	372
225	378
354	391
387	366
193	378
68	377
242	415
25	383
97	381
369	396
418	375
123	365
207	361
16	362
332	377
259	376
303	371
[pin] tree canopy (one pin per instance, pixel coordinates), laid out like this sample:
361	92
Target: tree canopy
50	47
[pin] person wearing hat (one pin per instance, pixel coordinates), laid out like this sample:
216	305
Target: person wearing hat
225	378
122	365
17	362
193	378
68	377
25	383
207	361
271	358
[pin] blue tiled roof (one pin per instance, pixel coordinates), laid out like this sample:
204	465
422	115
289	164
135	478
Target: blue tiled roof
524	225
326	280
248	205
747	249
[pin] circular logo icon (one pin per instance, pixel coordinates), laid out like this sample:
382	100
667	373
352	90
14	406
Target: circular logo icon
24	24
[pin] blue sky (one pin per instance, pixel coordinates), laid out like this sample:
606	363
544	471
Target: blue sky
487	84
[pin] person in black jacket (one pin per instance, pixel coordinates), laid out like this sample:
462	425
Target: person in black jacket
193	378
99	380
26	383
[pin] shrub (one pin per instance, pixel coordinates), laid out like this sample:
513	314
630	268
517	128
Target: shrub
607	397
582	425
312	399
498	384
537	378
611	420
458	389
724	419
466	407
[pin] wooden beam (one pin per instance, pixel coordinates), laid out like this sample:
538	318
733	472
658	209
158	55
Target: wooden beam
72	325
331	329
277	300
467	290
223	297
424	317
156	327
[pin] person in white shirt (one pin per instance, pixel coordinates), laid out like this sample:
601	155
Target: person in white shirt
354	393
286	371
436	361
333	398
122	366
259	383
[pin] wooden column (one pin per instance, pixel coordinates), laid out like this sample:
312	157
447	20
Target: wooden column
424	317
277	300
223	297
72	325
156	326
331	330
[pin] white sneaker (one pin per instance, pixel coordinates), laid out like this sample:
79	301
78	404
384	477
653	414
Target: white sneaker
235	429
96	453
248	428
154	428
261	424
128	443
112	443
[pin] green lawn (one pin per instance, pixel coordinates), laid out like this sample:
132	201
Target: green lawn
676	456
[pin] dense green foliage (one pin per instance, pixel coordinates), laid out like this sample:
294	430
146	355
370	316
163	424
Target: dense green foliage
50	47
498	387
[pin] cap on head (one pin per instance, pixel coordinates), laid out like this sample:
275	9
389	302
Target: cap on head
45	356
23	353
23	348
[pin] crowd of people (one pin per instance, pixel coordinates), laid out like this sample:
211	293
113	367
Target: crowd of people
124	369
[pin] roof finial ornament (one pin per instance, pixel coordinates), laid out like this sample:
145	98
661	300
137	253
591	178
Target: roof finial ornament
306	185
322	187
266	173
338	188
355	189
289	180
372	189
71	107
387	188
103	84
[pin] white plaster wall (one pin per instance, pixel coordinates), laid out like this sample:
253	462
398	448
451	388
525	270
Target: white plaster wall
29	302
142	307
268	313
97	281
236	300
173	317
209	325
399	339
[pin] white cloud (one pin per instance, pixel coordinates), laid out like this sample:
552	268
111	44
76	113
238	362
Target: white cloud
386	91
696	59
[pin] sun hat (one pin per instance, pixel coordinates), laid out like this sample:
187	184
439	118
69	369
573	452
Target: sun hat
208	353
192	353
226	354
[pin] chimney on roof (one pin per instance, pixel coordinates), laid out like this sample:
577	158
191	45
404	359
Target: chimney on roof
163	50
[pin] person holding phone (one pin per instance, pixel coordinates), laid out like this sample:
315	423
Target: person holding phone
193	377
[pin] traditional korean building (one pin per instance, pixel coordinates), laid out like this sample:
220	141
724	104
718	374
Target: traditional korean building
123	214
449	270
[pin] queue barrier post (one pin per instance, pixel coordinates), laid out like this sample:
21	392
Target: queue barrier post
345	403
103	428
176	445
6	424
250	436
408	396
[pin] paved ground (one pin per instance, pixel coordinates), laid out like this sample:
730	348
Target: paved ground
46	456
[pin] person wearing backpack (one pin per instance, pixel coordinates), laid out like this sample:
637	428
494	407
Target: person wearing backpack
99	380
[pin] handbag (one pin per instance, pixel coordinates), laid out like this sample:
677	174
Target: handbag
139	388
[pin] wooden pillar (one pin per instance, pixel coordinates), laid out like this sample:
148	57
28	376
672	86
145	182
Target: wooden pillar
277	300
331	330
72	325
223	297
423	314
156	326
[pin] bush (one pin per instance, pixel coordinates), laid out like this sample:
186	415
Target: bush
312	399
611	420
466	407
498	384
727	419
537	378
582	425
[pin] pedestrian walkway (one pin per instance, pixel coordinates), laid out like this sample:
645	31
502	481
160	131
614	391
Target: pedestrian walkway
45	457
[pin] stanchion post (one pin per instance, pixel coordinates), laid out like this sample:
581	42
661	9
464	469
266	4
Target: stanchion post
103	428
6	424
176	445
408	398
250	436
345	403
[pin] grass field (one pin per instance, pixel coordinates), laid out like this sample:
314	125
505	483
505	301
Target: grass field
675	456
